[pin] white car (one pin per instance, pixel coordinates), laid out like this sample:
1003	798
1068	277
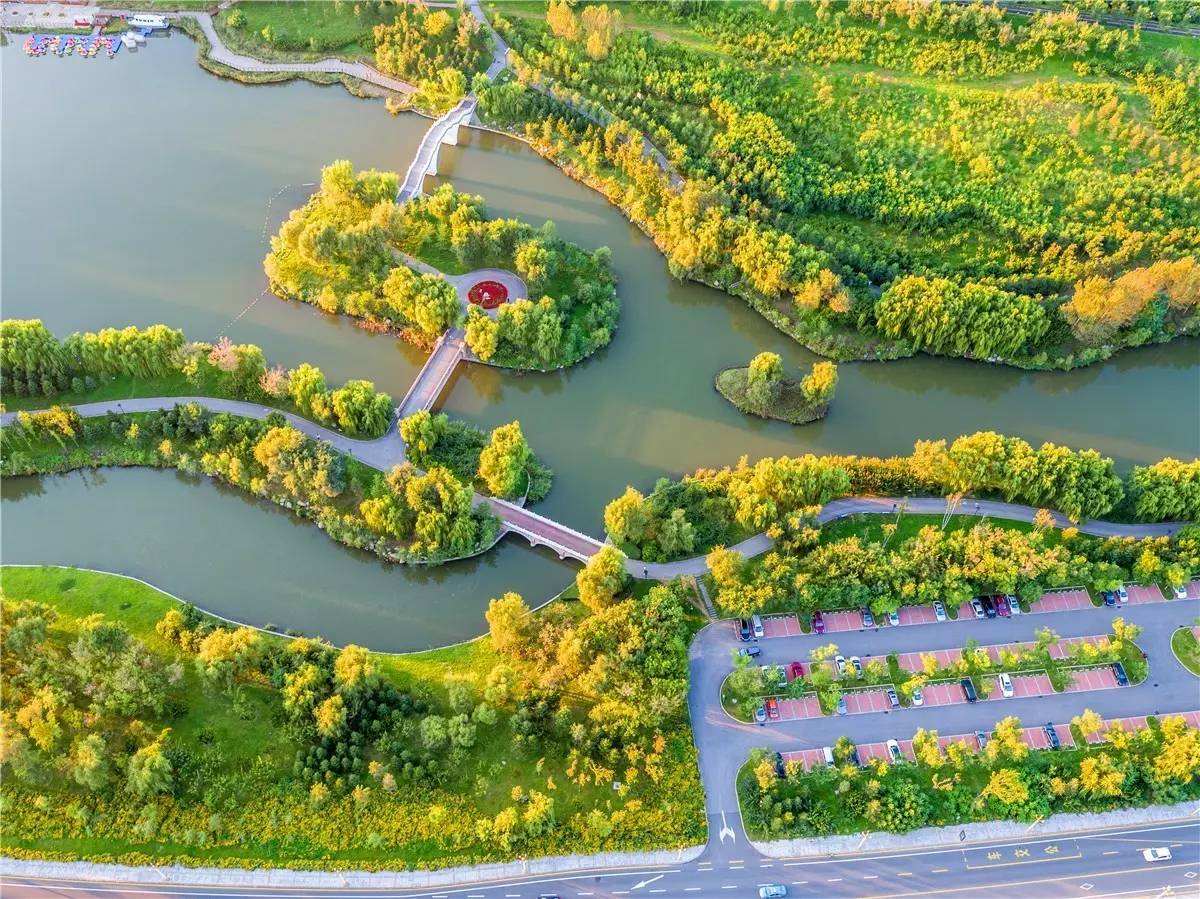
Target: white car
1014	605
1157	854
939	610
1122	594
893	749
1181	592
893	619
917	698
977	608
840	662
1006	685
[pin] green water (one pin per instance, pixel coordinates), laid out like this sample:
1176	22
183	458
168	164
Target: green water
154	205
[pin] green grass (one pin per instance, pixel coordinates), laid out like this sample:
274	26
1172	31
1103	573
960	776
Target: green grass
305	29
870	528
790	405
1187	649
122	388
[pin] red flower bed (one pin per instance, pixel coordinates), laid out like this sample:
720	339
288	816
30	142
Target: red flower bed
488	294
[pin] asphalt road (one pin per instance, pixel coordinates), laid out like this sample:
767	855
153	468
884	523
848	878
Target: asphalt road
1092	864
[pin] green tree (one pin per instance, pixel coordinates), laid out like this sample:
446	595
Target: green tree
676	534
602	578
626	517
504	463
149	770
763	380
510	624
421	432
819	385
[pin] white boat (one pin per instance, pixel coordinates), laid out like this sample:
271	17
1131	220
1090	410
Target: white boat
143	20
128	40
136	36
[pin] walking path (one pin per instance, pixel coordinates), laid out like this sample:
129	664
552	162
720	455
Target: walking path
218	52
434	374
388	451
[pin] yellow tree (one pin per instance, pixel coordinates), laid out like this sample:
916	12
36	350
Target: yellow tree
1006	741
1179	758
1100	776
1006	786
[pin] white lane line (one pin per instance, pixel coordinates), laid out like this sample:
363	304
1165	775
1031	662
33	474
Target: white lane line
835	880
1110	852
691	889
940	870
870	877
799	883
904	874
734	887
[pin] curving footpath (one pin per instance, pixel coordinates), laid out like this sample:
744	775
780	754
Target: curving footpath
218	52
388	451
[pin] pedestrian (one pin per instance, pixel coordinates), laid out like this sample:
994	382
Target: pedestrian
645	571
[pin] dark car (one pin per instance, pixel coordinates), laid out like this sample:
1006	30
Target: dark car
1052	736
854	757
795	671
1002	607
818	623
1110	598
779	767
968	689
751	651
743	629
982	739
1120	675
989	607
893	698
868	618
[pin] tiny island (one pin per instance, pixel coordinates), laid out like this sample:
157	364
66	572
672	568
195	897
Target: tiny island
761	389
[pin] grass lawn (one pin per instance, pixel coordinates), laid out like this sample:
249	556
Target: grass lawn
305	29
1187	649
122	388
870	528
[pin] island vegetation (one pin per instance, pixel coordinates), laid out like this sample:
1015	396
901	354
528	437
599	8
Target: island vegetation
348	249
761	389
36	369
835	165
959	782
140	730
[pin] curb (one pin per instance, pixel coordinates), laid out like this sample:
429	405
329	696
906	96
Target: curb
979	832
479	875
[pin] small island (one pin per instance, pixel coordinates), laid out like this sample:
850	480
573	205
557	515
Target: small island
761	389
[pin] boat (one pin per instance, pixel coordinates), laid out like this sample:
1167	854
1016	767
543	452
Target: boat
129	40
149	22
139	36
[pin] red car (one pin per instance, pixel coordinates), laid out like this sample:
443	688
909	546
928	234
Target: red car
818	623
1002	608
795	671
773	709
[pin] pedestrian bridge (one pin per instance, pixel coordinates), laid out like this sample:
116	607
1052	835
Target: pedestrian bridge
431	380
425	162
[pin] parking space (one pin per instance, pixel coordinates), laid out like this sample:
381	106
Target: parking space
915	661
868	751
1025	686
924	614
1192	587
808	758
781	626
1084	679
795	709
966	612
1064	600
842	621
1035	737
1140	593
943	694
861	702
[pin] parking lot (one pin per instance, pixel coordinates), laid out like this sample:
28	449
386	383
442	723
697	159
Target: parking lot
1035	737
1193	588
1061	649
1139	593
1084	679
842	621
781	626
861	702
1139	722
918	615
915	661
1063	600
943	694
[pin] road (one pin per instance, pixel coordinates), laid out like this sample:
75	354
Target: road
1090	863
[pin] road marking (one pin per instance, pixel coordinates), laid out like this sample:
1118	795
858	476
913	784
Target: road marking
904	874
835	880
656	891
940	870
870	877
733	887
726	829
799	883
1110	852
647	882
691	889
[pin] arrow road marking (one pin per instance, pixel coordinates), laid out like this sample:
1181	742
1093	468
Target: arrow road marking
638	886
726	830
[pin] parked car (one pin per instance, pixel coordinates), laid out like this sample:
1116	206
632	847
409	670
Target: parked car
989	607
751	651
781	678
743	629
773	709
1110	598
1014	604
1123	593
856	664
854	757
893	749
1002	607
772	891
827	752
1120	675
1052	736
982	739
977	608
894	619
939	610
918	698
818	623
968	689
840	663
1006	685
842	709
1157	854
1181	592
893	699
795	670
760	714
756	623
780	768
868	618
768	675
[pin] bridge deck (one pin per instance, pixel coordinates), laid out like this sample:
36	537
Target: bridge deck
431	380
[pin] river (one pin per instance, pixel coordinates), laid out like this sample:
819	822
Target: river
143	189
